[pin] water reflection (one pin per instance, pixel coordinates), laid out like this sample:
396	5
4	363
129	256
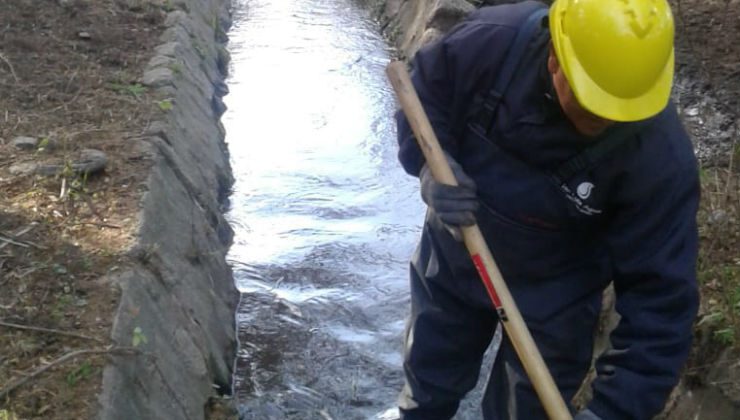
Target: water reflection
325	219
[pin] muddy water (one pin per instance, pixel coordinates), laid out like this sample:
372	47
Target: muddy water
325	218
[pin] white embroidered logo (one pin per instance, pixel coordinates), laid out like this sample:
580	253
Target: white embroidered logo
584	190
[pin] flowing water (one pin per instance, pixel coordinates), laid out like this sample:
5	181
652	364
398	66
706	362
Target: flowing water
325	218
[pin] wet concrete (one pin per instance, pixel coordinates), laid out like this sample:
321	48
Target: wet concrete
325	219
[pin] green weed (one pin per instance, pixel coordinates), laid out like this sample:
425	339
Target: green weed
176	68
138	338
80	373
165	105
134	89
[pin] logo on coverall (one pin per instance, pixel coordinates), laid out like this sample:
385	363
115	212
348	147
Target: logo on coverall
582	193
584	190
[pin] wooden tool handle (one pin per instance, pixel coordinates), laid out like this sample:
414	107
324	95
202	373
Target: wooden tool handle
499	293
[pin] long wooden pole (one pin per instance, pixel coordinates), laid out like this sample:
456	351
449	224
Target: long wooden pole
501	298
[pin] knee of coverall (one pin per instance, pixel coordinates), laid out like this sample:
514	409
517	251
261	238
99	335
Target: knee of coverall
566	344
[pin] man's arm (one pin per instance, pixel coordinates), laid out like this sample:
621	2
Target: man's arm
654	243
445	75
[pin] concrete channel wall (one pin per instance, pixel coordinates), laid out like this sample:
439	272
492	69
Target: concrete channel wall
412	23
178	299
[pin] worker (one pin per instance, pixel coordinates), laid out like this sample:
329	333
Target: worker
579	173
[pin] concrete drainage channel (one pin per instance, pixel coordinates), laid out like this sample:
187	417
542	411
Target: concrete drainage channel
180	292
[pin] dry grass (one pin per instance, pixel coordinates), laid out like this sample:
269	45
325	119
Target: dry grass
719	259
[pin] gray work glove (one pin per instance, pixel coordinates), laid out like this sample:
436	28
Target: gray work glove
455	206
586	415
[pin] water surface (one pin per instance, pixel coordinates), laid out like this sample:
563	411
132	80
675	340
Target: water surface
325	218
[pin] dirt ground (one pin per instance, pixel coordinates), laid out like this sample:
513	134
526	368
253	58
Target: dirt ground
69	72
708	54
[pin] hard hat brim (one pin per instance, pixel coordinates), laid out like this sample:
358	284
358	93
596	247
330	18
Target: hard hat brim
599	102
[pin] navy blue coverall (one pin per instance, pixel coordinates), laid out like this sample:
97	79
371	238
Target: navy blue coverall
635	225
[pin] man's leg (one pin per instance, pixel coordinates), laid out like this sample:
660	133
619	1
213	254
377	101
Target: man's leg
445	340
565	342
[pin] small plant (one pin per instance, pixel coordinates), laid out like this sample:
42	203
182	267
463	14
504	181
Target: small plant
712	318
74	185
165	105
138	338
87	263
725	336
176	68
702	174
80	373
7	415
199	50
43	144
168	6
134	89
60	307
59	269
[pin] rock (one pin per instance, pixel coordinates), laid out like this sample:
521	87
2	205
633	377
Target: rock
223	57
23	169
142	150
717	217
413	18
430	35
161	61
175	18
718	396
158	77
84	35
89	162
220	88
218	106
448	14
170	49
47	145
692	112
25	143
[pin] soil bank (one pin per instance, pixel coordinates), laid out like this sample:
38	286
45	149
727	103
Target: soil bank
114	276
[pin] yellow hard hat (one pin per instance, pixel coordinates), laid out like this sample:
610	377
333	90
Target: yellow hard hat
616	54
